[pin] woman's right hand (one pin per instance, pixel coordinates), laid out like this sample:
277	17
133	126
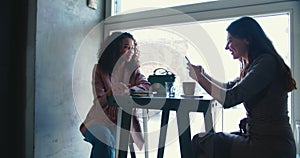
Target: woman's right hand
195	71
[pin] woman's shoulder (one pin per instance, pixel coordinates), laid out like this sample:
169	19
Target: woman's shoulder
99	71
264	63
266	55
265	58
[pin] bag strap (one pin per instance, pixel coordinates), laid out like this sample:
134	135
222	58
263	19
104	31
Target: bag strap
166	71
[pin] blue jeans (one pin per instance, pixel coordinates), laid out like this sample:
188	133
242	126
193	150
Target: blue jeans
103	140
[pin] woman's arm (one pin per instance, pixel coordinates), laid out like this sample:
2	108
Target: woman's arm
213	87
138	82
218	83
101	88
199	69
260	74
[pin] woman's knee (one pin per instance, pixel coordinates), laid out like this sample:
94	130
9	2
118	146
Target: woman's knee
103	134
202	145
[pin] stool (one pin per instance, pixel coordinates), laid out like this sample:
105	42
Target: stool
131	148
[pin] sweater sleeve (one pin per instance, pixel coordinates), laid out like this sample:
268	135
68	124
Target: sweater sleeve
139	82
230	84
99	89
259	75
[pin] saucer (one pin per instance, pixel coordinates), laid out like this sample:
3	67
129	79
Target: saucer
192	96
142	93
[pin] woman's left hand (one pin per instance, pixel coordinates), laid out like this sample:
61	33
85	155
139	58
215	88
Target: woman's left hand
120	89
195	71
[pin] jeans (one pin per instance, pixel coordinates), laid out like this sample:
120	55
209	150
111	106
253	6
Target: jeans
103	140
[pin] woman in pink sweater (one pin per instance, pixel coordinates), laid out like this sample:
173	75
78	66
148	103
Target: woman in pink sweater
117	72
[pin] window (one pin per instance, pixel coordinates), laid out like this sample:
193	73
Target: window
130	6
165	46
165	35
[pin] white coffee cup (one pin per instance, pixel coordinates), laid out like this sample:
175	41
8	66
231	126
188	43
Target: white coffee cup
188	88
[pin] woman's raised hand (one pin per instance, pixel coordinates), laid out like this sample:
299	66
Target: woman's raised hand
195	71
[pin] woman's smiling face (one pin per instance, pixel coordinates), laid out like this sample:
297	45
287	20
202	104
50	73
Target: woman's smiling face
237	46
127	48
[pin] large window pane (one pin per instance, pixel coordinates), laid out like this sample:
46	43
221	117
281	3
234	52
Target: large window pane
204	43
130	6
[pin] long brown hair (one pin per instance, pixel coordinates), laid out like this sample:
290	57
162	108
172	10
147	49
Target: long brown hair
259	43
109	52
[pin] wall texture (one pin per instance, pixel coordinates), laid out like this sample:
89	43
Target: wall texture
62	26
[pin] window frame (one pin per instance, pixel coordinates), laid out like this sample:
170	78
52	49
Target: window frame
213	11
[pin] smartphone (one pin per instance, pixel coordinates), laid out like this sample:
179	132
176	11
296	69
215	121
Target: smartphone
187	59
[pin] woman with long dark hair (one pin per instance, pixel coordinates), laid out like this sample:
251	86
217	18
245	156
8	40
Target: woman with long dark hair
116	73
262	87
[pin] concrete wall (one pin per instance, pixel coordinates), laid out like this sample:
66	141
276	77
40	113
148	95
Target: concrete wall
62	27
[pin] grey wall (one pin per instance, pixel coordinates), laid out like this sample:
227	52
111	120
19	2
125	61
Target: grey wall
62	26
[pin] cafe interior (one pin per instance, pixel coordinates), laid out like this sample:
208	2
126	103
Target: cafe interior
57	43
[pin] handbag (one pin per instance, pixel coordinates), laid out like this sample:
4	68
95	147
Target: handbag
158	80
243	125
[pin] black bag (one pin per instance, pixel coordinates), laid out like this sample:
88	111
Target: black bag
243	127
158	80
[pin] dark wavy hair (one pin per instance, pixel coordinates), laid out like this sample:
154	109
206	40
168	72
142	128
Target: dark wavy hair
248	28
109	52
